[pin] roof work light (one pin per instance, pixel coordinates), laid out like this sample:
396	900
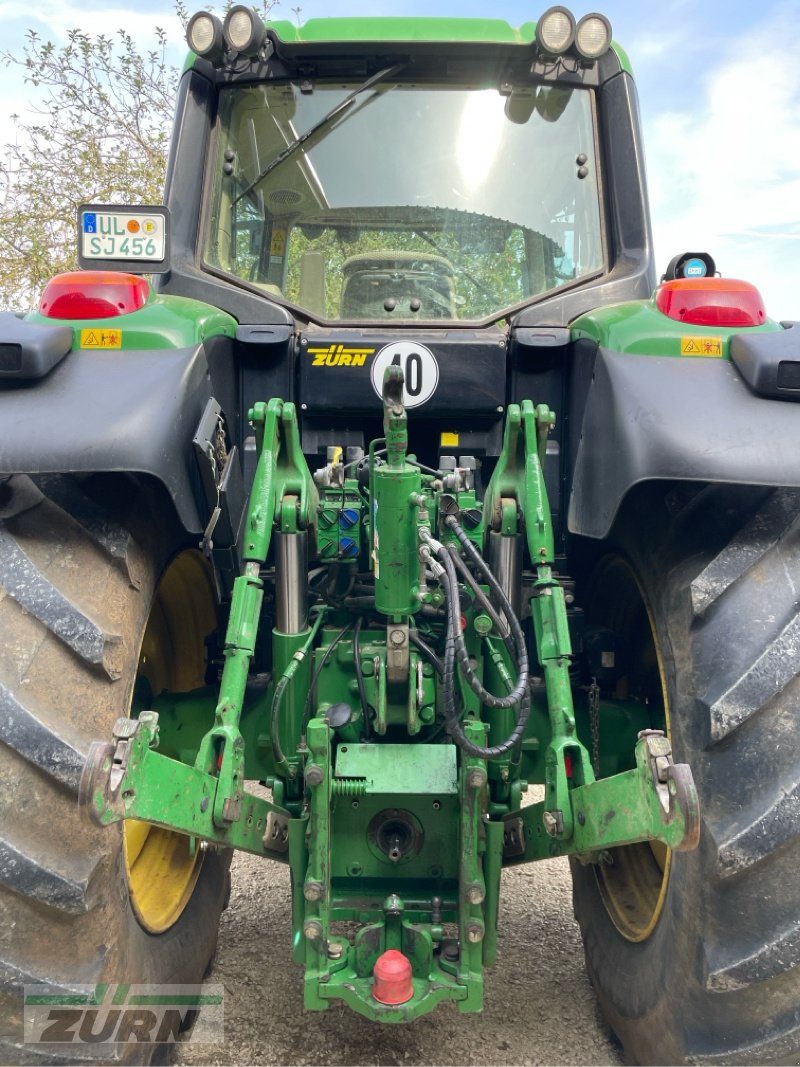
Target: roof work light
205	37
555	31
593	36
557	34
244	31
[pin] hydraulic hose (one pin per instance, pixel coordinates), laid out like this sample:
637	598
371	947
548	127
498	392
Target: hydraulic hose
427	652
453	638
505	604
481	597
520	650
280	688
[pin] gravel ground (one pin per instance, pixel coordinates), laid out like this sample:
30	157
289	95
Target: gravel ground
539	1005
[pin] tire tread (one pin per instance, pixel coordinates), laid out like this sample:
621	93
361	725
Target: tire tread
23	581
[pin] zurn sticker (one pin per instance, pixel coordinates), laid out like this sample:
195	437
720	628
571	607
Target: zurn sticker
419	366
702	346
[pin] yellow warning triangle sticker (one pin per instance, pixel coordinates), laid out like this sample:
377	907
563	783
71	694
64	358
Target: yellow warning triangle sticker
703	346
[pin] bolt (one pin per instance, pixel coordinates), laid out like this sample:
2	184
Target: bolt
314	775
304	407
475	933
312	929
314	891
476	779
393	905
397	637
204	804
335	950
500	408
475	893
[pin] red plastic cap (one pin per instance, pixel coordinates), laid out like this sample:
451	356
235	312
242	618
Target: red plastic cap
93	294
393	978
712	302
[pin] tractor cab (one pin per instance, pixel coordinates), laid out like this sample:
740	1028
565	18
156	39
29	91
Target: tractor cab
408	195
376	284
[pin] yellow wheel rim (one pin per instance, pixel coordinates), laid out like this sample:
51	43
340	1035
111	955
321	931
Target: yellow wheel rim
633	881
163	867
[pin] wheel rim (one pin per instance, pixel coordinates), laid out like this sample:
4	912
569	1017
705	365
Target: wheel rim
633	880
162	866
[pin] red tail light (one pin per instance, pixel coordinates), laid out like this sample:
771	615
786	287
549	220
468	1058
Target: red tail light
712	302
93	294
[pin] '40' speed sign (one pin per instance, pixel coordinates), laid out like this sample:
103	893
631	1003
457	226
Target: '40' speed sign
419	366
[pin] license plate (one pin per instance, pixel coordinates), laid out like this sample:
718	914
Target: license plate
123	235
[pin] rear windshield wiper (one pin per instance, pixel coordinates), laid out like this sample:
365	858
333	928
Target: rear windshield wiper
318	126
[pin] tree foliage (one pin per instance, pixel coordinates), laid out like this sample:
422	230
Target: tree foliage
99	132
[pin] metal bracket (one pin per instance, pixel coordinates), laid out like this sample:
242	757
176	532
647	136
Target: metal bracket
519	474
397	653
130	780
276	836
659	751
223	490
124	731
656	801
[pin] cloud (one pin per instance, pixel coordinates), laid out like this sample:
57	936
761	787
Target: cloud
725	177
53	20
650	46
61	15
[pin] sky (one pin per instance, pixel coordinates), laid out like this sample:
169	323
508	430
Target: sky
719	87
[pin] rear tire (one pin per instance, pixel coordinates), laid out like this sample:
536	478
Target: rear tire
716	977
76	592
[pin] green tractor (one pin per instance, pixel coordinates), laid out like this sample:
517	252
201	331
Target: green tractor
404	491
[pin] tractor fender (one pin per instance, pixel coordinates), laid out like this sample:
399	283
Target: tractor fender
645	418
120	411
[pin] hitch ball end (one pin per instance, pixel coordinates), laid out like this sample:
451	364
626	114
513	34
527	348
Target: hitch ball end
393	978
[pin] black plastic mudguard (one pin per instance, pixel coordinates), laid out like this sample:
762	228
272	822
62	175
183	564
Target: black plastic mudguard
30	349
658	417
119	411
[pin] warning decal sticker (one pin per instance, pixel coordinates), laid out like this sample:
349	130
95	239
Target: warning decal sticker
702	346
105	338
